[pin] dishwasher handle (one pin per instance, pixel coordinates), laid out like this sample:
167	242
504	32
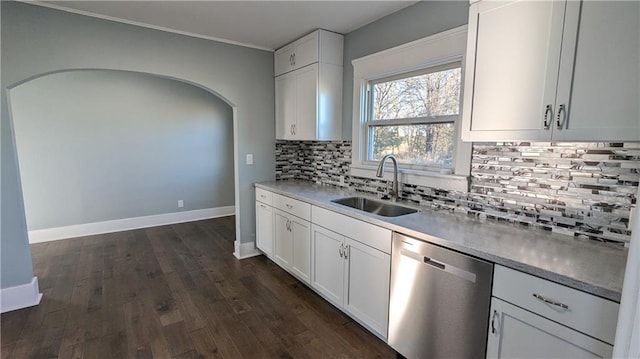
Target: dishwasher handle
434	263
445	267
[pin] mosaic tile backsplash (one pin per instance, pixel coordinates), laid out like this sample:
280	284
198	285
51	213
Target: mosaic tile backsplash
575	189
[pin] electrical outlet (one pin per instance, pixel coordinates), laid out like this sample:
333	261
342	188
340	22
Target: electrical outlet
250	158
180	203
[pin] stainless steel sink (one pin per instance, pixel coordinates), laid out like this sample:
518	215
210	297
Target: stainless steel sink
375	207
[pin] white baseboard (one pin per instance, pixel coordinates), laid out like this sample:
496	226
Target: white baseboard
20	296
88	229
246	250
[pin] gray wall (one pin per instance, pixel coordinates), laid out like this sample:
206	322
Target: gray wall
102	145
409	24
37	40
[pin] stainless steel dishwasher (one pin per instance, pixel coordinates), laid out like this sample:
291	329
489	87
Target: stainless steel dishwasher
439	306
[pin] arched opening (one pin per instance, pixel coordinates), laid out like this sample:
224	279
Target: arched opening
98	146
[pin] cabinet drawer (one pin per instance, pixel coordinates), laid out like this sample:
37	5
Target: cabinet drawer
263	196
373	236
586	313
292	206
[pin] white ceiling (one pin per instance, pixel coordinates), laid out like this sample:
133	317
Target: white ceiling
261	24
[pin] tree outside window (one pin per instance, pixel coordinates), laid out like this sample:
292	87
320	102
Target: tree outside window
413	116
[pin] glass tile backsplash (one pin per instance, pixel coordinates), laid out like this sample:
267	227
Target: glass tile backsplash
575	189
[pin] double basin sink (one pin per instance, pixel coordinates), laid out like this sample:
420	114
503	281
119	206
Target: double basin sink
376	207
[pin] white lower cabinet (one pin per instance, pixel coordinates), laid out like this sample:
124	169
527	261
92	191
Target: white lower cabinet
328	264
283	232
517	333
264	221
264	228
535	318
292	244
353	276
368	276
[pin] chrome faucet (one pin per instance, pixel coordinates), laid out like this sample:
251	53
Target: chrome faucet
380	172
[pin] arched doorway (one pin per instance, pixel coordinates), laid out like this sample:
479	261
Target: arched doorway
97	148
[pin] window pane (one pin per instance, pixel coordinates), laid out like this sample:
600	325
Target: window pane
432	94
423	144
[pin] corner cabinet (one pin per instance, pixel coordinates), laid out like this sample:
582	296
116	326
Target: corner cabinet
534	318
308	88
552	70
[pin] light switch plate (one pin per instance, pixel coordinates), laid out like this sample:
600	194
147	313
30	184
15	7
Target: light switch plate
250	158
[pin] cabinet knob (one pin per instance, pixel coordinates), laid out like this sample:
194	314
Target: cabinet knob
547	123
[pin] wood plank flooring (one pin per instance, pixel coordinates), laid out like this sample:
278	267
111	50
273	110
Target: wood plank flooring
175	292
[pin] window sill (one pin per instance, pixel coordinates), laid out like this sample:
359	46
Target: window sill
449	182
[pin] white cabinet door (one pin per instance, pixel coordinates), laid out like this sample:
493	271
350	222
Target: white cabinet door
283	59
368	275
285	106
264	228
283	238
301	261
513	75
306	103
298	54
328	264
306	50
605	90
517	333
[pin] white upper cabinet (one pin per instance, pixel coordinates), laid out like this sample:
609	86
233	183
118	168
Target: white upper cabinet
605	92
298	54
552	70
309	88
318	46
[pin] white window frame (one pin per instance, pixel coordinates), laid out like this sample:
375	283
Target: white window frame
436	50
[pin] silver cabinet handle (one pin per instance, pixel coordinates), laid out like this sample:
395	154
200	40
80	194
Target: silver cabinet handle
289	206
263	196
341	251
294	59
291	129
561	110
493	322
346	252
288	225
549	301
548	109
263	206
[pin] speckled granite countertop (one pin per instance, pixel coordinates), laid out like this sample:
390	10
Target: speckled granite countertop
577	263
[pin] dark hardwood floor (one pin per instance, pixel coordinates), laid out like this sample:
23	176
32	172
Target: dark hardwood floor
175	291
